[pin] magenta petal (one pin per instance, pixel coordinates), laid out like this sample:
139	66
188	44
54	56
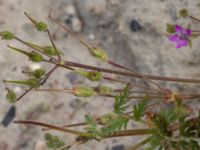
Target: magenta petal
188	31
174	38
182	43
178	28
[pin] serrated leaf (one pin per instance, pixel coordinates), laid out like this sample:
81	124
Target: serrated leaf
121	101
139	109
113	126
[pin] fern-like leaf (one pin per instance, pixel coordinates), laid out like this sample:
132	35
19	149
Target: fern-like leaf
93	128
114	126
139	109
121	101
54	142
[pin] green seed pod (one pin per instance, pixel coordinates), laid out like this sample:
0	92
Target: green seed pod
41	26
38	73
105	90
171	28
94	76
183	13
11	96
35	57
99	53
82	91
7	35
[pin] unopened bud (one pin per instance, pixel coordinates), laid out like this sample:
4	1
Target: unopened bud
41	26
94	76
7	35
82	91
99	53
171	28
183	13
38	73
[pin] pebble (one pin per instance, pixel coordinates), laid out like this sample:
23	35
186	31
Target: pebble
72	18
118	147
40	145
135	26
10	115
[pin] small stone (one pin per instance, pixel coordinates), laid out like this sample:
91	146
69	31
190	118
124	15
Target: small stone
135	26
40	145
118	147
76	25
10	115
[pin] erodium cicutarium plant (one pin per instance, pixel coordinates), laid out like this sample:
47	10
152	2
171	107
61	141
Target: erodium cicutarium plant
176	127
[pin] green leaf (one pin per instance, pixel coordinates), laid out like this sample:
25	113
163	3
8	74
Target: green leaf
162	125
121	101
194	145
140	108
93	127
53	142
114	125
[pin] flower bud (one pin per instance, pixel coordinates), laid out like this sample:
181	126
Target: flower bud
41	26
7	35
99	53
94	76
38	73
171	28
82	91
183	13
91	75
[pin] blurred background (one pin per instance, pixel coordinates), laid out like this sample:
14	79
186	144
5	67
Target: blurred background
133	32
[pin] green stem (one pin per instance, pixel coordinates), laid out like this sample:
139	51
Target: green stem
131	133
128	74
140	144
78	133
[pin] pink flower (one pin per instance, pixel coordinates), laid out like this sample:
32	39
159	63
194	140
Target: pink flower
181	37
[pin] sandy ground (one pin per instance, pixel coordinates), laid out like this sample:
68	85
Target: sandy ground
101	22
